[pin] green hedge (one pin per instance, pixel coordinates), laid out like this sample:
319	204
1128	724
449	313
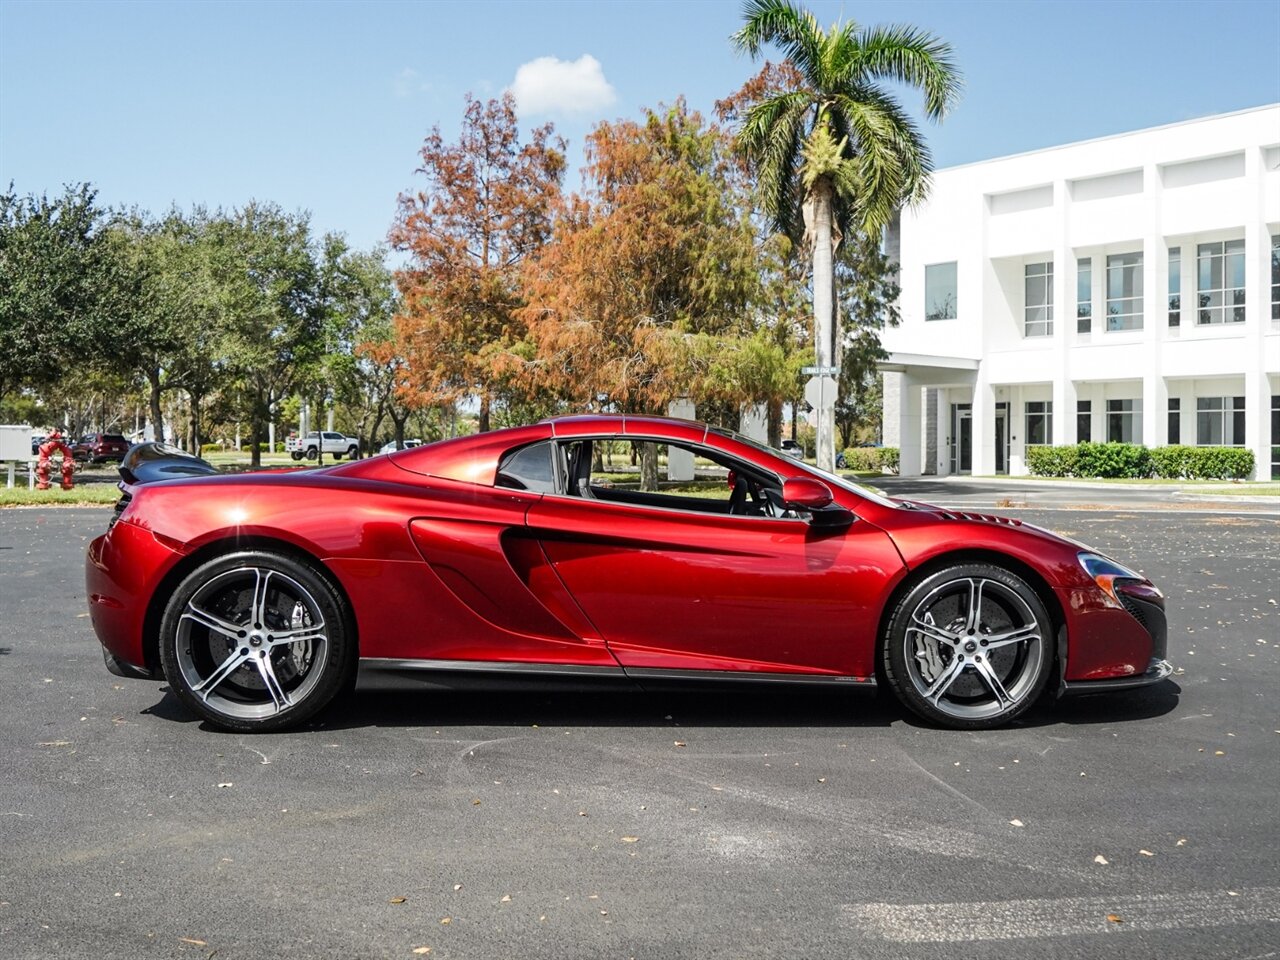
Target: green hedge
871	458
1136	461
262	447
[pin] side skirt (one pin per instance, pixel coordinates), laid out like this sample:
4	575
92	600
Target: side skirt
587	673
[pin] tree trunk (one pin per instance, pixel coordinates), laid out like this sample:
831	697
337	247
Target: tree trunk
255	436
823	315
157	417
775	423
484	413
648	466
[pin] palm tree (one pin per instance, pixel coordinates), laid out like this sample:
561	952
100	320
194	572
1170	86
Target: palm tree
837	151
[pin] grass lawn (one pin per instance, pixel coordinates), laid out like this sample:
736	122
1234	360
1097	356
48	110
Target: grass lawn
82	495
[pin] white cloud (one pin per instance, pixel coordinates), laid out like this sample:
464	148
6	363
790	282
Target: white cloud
408	82
550	85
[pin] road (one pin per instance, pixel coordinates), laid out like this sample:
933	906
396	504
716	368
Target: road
629	824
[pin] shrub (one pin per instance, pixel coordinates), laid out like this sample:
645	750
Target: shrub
1045	461
1173	462
862	458
210	448
889	459
1221	463
1112	460
248	448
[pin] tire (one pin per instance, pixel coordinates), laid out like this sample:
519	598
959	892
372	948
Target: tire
312	453
246	678
296	454
353	452
967	671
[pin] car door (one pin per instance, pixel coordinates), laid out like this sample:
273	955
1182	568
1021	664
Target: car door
678	589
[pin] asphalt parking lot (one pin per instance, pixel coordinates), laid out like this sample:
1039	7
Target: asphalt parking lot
424	822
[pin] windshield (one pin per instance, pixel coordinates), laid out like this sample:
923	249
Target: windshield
865	492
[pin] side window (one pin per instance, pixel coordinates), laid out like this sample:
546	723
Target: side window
689	477
529	468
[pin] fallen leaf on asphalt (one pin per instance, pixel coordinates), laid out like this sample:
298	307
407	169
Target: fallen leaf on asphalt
476	802
197	943
1219	753
1100	859
506	898
446	919
582	813
630	839
396	900
223	786
421	950
1182	842
679	743
1146	853
1016	823
457	887
1115	918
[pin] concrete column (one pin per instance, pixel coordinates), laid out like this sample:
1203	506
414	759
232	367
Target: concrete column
1064	411
754	422
1155	311
984	412
909	420
680	462
889	410
1257	300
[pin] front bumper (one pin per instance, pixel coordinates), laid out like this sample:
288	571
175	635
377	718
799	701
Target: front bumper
1159	669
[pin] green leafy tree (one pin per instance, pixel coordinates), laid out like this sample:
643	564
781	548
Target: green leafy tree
270	312
867	287
836	150
55	273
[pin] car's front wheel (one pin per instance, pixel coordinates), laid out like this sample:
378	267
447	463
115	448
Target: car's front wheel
969	646
352	452
256	641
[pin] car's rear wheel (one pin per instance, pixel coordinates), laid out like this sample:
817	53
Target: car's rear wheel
312	453
969	647
296	454
256	641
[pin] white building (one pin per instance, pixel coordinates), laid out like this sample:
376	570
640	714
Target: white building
1125	288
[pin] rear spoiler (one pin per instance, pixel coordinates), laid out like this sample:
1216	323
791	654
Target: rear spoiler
148	462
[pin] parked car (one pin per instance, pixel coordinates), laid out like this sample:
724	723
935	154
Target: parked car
391	447
332	444
499	554
792	448
100	448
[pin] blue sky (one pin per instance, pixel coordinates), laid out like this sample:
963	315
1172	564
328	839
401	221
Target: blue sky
323	106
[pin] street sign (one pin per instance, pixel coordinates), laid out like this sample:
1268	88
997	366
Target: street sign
820	371
820	389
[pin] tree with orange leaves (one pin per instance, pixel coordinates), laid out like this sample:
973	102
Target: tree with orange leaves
486	207
659	249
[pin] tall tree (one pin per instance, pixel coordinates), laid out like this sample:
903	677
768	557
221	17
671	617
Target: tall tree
836	150
55	272
867	287
487	206
265	268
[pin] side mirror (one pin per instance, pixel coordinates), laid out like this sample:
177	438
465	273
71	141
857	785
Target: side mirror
805	493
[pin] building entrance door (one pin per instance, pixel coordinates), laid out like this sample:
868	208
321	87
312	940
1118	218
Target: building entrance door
1002	437
961	438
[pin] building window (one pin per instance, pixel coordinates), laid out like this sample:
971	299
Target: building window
1084	295
1124	421
1275	283
1175	286
1220	282
1039	422
1084	421
1038	285
1275	430
1220	421
940	291
1124	291
1175	420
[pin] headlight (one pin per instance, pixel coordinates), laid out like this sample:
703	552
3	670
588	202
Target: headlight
1105	572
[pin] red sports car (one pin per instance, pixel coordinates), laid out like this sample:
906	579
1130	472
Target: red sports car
515	552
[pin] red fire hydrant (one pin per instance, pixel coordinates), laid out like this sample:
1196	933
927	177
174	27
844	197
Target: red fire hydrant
54	444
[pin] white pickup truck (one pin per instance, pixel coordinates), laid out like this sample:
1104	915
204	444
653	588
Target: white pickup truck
324	441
